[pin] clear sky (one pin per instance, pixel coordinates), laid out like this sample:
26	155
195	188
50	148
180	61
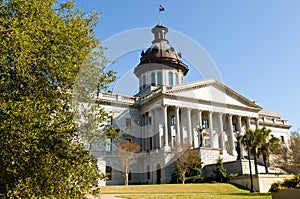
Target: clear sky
255	44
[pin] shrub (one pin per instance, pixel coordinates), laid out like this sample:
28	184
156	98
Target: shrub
286	184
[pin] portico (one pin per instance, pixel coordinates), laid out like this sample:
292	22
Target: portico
175	125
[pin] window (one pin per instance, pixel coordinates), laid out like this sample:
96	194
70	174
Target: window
159	78
108	146
128	123
153	79
205	123
108	172
148	172
151	143
144	81
128	139
173	120
171	82
282	138
234	127
129	176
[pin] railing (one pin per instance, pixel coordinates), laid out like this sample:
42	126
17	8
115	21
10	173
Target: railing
275	120
117	98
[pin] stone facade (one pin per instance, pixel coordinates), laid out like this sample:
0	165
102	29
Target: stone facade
207	115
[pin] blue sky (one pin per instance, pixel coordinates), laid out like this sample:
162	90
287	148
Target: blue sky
255	44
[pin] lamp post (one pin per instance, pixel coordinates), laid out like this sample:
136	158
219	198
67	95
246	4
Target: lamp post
247	142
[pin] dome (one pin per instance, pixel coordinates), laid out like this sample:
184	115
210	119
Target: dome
160	52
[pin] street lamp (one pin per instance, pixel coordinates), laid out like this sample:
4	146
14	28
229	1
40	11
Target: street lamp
247	143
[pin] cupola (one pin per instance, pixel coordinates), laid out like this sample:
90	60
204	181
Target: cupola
160	64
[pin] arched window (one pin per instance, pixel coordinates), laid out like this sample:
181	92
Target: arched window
144	81
176	79
153	79
171	82
159	78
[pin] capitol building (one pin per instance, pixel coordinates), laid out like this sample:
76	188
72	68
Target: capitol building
167	112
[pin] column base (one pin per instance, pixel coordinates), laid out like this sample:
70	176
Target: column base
167	148
224	152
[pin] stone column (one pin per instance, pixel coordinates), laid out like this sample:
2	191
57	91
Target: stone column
221	133
248	124
178	139
257	123
211	131
189	126
166	134
240	144
231	136
200	134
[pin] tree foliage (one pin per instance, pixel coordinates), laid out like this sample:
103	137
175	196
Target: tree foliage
127	154
260	143
188	159
43	44
267	146
293	183
221	175
287	157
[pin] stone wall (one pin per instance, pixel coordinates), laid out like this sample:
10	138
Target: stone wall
261	182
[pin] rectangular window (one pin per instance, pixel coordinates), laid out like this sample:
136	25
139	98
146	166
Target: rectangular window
159	78
173	120
234	127
128	139
282	138
148	172
171	82
129	176
108	172
153	79
205	123
128	123
151	143
144	81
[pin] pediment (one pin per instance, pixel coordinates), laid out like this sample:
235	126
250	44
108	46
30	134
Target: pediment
211	91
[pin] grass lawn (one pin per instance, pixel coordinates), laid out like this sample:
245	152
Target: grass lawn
193	191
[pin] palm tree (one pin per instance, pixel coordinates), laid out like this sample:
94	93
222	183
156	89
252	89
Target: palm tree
267	145
253	138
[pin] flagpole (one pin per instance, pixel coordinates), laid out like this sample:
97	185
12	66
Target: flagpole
158	3
158	17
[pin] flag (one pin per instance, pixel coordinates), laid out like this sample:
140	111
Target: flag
161	8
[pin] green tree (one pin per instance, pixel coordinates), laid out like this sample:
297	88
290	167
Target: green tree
260	143
43	44
267	146
254	139
287	156
187	158
221	175
194	174
127	154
